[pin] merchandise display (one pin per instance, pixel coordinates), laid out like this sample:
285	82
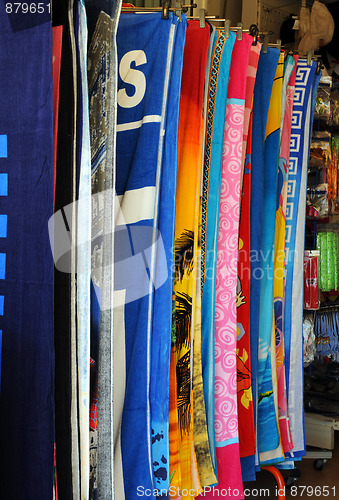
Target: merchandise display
169	166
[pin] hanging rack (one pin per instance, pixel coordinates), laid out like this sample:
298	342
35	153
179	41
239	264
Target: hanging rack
165	9
328	307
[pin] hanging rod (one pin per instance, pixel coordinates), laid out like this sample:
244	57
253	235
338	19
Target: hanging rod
157	9
165	9
327	307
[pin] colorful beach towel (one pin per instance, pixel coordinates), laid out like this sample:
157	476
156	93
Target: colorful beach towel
226	417
247	440
162	313
218	85
206	470
187	214
141	124
279	257
262	93
302	119
269	441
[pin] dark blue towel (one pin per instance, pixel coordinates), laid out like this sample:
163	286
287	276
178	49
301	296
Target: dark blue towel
26	284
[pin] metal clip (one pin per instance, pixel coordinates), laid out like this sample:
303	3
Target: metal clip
309	57
185	8
202	18
265	45
319	67
239	31
227	28
178	12
166	4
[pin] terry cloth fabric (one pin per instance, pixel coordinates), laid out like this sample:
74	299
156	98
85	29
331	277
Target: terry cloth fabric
102	69
26	288
83	264
187	213
251	75
262	93
106	445
73	290
141	122
162	313
62	296
206	471
247	441
226	417
269	440
98	75
302	119
57	47
279	258
216	105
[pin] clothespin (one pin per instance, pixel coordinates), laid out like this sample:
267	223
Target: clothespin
178	13
254	31
319	67
239	31
202	18
265	45
309	57
166	4
279	44
227	28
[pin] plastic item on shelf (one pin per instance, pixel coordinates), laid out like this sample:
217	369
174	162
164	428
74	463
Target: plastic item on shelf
322	108
317	201
311	288
309	343
321	149
328	246
335	107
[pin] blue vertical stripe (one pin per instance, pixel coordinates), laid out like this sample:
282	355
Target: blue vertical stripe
3	226
2	303
2	266
3	146
3	184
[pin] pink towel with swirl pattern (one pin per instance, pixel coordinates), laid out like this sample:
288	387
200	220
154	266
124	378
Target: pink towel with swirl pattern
226	413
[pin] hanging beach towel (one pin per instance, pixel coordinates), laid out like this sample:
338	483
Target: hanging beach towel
162	313
102	81
226	418
262	93
190	144
268	432
142	104
247	440
218	86
279	259
83	264
206	471
27	271
302	119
